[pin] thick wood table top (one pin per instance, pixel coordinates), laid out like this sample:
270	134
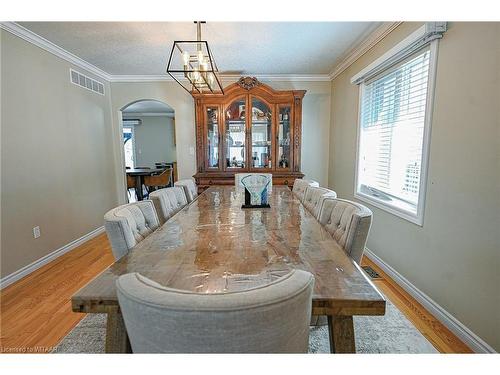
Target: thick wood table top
213	246
143	171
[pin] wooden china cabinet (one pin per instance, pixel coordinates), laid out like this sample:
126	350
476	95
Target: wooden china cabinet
231	139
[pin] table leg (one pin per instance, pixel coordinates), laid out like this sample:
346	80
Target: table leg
138	188
341	332
116	333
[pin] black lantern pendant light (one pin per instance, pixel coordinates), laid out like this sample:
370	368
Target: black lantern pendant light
192	65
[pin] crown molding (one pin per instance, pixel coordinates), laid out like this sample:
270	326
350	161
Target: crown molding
279	77
48	46
380	33
140	78
349	59
227	77
126	115
37	40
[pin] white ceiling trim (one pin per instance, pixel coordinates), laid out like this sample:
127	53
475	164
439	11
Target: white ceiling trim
350	58
140	78
227	77
375	37
279	77
48	46
148	114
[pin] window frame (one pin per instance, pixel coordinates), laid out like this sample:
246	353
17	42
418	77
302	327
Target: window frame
418	217
132	128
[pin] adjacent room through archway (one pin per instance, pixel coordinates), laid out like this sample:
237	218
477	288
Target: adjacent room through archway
149	146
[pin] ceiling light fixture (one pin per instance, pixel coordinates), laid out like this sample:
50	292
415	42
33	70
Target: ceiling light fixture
191	64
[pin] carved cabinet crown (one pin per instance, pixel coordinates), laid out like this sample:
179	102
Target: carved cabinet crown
248	82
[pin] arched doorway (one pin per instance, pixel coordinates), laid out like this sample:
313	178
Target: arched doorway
149	147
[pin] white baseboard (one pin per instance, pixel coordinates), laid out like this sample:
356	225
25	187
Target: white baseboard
26	270
477	344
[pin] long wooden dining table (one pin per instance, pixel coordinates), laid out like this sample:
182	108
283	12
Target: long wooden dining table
213	245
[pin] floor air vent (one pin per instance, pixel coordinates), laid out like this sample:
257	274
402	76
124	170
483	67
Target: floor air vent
371	272
88	83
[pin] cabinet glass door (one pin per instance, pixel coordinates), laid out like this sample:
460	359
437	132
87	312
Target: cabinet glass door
261	156
212	118
235	131
284	137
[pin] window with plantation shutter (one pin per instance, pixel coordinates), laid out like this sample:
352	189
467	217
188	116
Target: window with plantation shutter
392	135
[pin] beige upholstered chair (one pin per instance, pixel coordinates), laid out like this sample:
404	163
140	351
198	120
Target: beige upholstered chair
314	197
168	202
190	188
349	224
300	186
267	319
129	224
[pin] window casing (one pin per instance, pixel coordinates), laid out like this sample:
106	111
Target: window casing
393	135
129	145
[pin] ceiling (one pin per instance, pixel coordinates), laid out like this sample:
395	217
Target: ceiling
148	106
142	48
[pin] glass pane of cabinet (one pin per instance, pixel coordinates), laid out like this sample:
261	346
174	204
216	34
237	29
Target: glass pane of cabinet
212	137
261	134
284	137
235	134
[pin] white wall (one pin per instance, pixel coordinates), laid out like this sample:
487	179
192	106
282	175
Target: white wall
455	256
56	161
153	140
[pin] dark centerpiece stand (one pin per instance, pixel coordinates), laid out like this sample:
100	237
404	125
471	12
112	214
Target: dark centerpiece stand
248	200
258	185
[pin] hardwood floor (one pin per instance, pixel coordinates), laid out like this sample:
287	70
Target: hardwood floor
35	312
440	336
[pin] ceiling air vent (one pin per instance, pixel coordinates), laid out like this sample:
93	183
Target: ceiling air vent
88	83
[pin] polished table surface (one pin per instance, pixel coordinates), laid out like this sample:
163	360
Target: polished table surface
213	245
143	171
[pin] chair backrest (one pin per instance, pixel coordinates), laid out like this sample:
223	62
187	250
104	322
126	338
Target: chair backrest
267	319
130	182
349	224
314	197
163	179
129	224
190	188
300	186
168	202
239	176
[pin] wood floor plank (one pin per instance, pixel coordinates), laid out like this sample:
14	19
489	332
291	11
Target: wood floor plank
440	336
35	312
